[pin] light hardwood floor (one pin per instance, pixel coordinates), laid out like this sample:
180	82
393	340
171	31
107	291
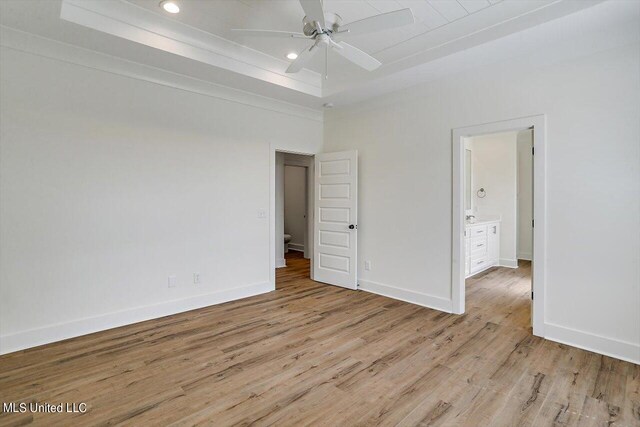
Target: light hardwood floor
313	354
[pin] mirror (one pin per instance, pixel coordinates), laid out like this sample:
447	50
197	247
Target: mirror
467	180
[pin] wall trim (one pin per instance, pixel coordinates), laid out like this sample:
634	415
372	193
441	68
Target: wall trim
32	44
509	263
298	247
525	256
406	295
618	349
88	325
137	24
281	263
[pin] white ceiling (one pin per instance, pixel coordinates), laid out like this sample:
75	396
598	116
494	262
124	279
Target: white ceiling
220	16
198	42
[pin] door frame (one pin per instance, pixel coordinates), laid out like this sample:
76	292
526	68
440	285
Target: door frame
273	148
538	123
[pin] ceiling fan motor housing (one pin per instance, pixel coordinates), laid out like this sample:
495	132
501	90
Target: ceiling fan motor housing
326	30
332	23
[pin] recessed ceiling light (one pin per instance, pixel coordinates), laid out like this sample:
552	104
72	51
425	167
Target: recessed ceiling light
170	6
292	55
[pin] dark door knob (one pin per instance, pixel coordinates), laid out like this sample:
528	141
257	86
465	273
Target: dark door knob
351	226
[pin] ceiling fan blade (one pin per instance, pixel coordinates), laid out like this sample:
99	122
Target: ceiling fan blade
303	58
269	33
380	22
357	56
314	11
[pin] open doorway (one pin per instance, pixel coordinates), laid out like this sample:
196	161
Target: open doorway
294	189
498	228
331	246
498	193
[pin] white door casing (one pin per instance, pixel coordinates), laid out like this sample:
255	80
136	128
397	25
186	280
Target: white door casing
336	218
538	264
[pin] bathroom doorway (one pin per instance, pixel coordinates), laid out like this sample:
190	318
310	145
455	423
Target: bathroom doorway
498	258
294	189
498	191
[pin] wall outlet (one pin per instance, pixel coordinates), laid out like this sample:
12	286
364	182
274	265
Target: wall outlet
196	278
262	213
173	281
367	265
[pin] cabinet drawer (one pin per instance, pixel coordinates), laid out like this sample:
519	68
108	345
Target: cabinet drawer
478	245
477	231
478	264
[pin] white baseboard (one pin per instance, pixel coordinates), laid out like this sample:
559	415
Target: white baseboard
75	328
527	256
280	263
299	247
412	297
509	263
598	344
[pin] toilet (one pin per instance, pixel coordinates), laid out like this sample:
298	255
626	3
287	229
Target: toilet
287	239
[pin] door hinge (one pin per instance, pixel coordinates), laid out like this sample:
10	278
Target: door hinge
533	151
531	294
533	223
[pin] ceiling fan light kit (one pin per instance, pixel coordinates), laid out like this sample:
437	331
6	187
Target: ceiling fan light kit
325	29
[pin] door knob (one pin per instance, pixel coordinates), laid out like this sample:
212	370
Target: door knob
351	226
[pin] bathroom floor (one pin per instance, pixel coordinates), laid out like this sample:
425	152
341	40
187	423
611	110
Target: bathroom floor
297	268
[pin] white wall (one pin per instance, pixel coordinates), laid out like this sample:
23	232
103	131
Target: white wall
109	184
588	87
494	169
295	223
525	195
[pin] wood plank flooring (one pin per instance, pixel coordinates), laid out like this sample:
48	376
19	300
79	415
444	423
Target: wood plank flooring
313	354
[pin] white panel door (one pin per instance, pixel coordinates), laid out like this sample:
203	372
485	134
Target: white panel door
336	219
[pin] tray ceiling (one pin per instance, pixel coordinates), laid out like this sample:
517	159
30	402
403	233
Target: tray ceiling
198	41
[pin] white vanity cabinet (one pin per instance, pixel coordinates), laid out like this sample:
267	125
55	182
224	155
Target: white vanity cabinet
482	246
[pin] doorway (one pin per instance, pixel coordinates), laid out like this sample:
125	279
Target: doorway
293	200
498	192
331	246
490	210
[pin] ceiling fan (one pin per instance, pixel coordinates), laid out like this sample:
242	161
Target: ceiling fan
326	29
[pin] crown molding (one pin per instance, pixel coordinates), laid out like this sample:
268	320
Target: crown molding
44	47
130	22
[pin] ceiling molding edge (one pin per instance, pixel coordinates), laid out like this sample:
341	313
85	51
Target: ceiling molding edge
29	43
130	22
524	20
